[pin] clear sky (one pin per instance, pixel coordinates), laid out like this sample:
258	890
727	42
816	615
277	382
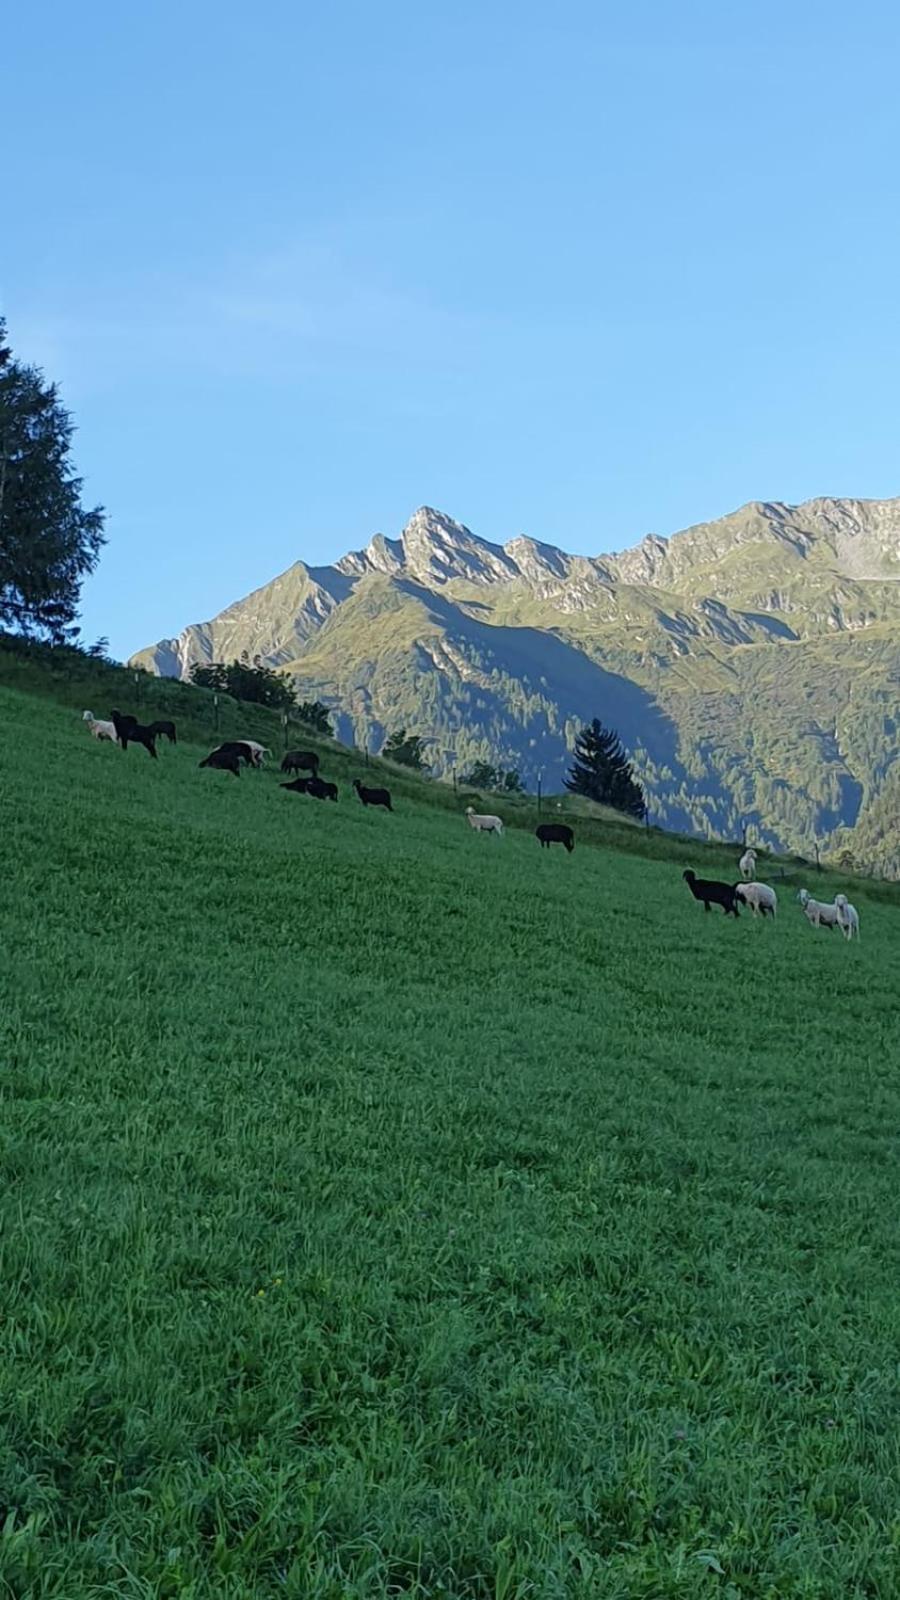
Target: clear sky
583	271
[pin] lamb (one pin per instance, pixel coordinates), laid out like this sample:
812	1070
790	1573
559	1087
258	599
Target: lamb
747	864
712	893
130	731
223	761
257	752
164	730
762	900
373	797
555	833
300	761
848	917
298	786
321	790
817	913
100	730
484	824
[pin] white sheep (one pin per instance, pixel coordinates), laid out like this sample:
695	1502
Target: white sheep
817	912
762	900
747	864
483	824
848	916
99	730
257	751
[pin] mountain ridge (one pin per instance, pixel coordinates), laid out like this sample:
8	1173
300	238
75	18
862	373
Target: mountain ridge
724	631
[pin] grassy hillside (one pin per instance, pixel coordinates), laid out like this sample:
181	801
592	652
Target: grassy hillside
392	1210
71	679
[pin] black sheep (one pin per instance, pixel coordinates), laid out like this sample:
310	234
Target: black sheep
300	761
130	731
299	786
712	893
236	747
373	797
321	790
164	730
555	833
223	761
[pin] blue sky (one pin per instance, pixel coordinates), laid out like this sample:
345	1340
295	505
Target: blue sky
582	271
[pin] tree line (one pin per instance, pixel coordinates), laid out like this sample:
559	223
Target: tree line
259	685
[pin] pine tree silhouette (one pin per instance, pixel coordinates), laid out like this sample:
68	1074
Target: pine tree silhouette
602	771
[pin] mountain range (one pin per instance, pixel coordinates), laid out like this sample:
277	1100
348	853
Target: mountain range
751	665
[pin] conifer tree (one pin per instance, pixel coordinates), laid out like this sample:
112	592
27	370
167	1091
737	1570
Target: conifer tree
48	542
602	771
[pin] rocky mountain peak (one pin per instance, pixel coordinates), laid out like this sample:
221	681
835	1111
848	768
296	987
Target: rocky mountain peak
537	562
437	550
433	550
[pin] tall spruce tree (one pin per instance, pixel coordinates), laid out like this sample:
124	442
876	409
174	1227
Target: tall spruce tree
48	542
602	771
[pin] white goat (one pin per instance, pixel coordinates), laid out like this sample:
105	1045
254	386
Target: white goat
747	864
483	824
762	900
817	912
848	916
99	730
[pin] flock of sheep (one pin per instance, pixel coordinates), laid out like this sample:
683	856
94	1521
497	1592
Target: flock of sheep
235	753
763	901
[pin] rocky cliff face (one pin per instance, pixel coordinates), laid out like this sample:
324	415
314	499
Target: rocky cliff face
724	655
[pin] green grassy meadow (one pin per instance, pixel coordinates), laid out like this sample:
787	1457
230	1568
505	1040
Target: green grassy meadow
393	1210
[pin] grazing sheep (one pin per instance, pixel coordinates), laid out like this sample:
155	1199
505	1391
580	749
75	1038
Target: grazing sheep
299	786
130	731
373	797
747	864
762	900
236	747
164	730
848	917
483	824
320	790
257	752
555	833
712	893
817	913
223	761
300	761
100	730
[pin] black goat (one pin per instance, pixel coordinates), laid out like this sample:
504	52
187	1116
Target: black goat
300	761
712	893
373	797
130	731
321	790
555	833
223	761
164	730
299	786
